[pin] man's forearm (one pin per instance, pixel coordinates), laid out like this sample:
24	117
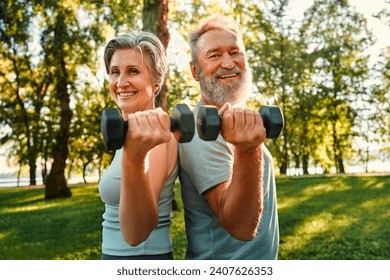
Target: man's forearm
242	201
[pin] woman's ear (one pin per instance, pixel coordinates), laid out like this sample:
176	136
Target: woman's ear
194	71
156	89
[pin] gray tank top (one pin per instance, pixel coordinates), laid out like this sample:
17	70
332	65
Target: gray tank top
159	241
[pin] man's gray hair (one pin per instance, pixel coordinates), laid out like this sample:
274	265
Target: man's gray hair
220	22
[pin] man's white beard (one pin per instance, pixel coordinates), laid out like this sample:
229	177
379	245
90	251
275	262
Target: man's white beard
235	92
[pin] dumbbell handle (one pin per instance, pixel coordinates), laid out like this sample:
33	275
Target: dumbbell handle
174	125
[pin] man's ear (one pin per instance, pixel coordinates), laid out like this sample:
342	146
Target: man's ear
194	71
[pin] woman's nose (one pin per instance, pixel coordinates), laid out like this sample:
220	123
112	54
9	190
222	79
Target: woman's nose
122	81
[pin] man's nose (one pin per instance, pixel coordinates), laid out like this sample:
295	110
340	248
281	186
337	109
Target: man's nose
227	61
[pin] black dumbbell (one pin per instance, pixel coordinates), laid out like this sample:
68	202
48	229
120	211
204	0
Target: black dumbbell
208	121
114	128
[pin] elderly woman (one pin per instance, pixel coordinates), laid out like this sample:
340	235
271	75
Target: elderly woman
137	188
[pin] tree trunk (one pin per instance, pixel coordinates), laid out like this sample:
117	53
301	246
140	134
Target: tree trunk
31	152
56	185
340	163
44	171
85	171
284	163
33	170
18	176
305	153
155	17
305	164
44	163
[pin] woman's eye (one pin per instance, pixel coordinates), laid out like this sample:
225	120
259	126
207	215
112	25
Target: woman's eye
114	72
133	71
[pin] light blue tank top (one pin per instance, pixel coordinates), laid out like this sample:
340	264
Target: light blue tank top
159	241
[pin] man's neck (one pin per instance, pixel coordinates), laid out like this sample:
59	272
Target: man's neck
208	102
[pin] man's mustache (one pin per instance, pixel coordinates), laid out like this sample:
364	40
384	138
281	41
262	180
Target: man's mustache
223	71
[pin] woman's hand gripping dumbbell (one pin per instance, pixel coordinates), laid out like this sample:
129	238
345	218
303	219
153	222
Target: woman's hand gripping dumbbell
208	121
114	128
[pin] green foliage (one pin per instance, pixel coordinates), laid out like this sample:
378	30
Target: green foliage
87	150
23	85
379	114
336	37
46	46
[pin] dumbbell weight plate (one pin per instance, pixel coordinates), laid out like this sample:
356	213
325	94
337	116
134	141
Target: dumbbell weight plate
272	119
113	128
186	125
208	123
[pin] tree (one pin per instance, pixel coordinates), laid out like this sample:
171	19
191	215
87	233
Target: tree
381	90
155	18
67	44
274	53
87	149
56	185
24	84
336	38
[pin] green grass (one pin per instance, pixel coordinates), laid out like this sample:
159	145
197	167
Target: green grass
334	218
33	228
320	218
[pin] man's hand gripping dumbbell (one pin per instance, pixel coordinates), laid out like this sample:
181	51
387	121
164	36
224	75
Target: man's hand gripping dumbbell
209	121
114	128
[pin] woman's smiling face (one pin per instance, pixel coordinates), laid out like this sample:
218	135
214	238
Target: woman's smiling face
130	81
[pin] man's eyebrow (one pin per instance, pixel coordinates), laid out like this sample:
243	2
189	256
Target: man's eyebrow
212	50
219	49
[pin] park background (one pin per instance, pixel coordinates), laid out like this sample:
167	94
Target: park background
325	63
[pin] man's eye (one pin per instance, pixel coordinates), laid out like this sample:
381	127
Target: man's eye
214	55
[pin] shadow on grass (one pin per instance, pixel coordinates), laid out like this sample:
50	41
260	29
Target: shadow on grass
334	218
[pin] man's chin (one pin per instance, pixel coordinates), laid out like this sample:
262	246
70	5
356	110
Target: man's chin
220	101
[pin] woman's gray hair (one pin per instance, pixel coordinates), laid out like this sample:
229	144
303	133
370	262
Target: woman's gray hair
149	45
